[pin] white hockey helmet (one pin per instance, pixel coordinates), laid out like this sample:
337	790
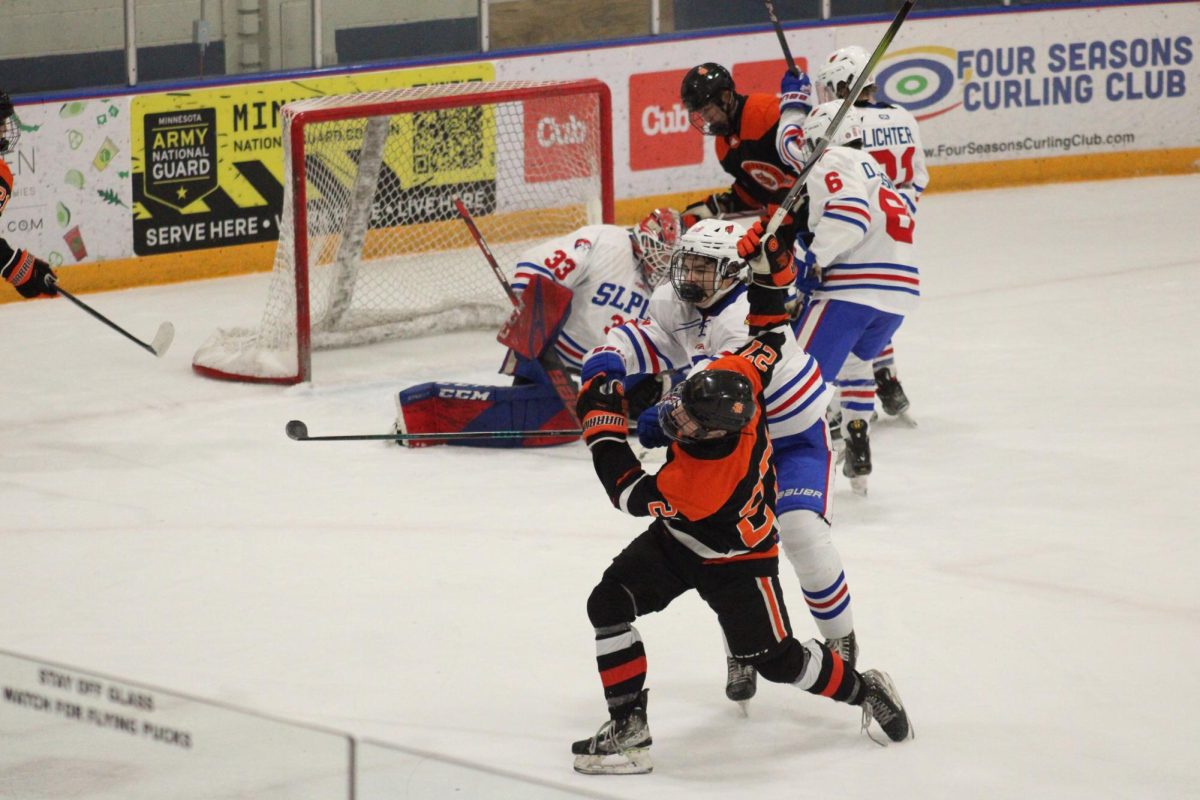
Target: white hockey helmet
705	264
653	240
839	72
818	121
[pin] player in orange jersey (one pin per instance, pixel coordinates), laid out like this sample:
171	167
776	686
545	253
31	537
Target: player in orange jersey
30	275
714	530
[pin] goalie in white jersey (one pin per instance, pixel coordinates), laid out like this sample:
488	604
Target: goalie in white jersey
607	272
698	317
860	266
891	136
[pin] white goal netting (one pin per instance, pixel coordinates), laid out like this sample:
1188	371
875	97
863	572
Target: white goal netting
370	244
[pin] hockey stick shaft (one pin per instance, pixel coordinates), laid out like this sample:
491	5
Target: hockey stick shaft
789	203
487	251
553	365
787	51
162	340
298	431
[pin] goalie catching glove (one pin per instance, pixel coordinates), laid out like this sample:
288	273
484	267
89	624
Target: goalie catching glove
601	411
771	261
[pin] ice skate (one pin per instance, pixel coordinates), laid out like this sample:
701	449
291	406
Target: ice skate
892	397
857	465
846	647
741	682
882	704
620	747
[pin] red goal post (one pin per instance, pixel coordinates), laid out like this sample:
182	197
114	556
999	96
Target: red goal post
370	245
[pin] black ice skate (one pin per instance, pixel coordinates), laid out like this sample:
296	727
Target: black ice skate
892	397
846	647
857	465
882	704
741	682
620	747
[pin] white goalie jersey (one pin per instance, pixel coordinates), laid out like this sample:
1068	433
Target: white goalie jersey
680	335
862	234
598	265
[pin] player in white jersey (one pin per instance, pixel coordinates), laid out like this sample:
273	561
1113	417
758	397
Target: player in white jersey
863	278
609	272
699	316
891	136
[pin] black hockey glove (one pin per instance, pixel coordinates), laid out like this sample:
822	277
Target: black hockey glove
771	261
31	276
601	410
712	206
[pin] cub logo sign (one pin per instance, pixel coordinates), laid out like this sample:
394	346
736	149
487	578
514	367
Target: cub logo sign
558	138
659	132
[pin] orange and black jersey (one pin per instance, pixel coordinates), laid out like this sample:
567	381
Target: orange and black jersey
716	497
749	154
8	254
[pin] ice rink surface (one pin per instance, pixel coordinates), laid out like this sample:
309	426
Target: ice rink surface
1025	566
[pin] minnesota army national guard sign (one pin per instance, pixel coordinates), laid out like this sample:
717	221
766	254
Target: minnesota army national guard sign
180	156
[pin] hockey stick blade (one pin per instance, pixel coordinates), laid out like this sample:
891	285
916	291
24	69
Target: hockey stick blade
297	430
162	339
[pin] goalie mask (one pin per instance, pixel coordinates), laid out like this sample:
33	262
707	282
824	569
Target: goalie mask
848	134
839	72
9	131
705	264
710	404
708	95
653	240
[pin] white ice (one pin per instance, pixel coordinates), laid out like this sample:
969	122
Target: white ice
1025	566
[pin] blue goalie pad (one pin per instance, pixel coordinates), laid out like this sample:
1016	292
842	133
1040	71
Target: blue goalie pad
464	407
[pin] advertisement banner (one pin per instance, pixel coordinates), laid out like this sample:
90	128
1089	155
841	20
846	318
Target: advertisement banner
71	197
1047	83
207	164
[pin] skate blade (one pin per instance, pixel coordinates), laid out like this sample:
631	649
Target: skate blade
859	485
744	707
635	761
906	419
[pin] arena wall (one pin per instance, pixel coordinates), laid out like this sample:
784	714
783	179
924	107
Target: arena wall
1004	97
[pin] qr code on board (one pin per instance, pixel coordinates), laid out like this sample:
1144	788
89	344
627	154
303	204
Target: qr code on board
447	140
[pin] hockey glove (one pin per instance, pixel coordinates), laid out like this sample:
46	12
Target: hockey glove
771	261
601	410
711	206
31	276
809	279
602	361
796	92
649	429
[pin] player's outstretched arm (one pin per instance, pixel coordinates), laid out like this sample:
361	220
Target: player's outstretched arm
31	276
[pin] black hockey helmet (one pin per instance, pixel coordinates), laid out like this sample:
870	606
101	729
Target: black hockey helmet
709	404
705	84
9	130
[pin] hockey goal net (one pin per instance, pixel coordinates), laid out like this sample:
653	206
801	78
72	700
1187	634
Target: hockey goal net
370	244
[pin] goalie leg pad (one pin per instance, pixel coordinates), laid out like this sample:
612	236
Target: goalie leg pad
453	407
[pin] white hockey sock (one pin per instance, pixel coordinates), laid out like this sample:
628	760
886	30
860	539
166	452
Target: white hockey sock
818	564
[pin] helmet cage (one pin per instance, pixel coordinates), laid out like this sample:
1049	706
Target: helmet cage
705	262
10	131
653	240
704	86
710	404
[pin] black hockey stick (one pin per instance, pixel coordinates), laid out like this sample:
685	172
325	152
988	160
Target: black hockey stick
789	203
549	359
162	339
787	51
299	431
